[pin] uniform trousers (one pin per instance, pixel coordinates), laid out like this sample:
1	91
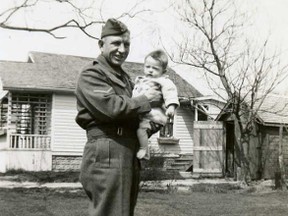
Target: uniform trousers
110	173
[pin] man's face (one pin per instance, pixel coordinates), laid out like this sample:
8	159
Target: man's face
115	48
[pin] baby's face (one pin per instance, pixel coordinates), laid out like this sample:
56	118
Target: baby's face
153	68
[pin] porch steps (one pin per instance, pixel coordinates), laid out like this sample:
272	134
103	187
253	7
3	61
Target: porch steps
183	163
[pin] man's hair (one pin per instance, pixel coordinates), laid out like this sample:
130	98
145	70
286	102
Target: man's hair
160	56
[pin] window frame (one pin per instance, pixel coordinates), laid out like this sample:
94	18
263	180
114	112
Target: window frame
31	113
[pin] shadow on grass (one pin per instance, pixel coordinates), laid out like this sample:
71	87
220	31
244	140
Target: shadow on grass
41	176
146	174
215	188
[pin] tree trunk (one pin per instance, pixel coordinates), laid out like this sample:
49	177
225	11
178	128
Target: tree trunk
242	150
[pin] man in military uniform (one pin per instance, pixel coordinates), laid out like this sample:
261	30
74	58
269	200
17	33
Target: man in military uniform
110	169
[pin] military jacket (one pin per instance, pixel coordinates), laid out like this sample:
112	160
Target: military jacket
104	96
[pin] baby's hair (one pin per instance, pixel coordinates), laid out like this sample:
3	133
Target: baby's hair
160	56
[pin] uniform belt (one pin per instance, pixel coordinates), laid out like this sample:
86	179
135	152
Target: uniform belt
115	131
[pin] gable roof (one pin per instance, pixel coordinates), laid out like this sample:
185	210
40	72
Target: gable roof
54	72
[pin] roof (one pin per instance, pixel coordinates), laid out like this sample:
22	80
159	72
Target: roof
271	110
274	110
54	72
211	98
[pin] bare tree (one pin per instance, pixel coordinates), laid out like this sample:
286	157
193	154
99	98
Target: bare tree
214	43
83	16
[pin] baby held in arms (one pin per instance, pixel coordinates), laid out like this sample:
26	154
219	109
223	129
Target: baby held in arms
155	68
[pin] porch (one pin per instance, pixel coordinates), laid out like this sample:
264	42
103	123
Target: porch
25	128
29	141
28	152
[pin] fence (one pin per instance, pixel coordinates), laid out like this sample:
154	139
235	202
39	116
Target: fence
208	157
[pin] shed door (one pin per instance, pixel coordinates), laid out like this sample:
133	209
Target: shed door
208	148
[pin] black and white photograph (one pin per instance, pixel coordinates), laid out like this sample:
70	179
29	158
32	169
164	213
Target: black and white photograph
143	108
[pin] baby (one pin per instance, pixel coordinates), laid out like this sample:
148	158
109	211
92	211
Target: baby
155	67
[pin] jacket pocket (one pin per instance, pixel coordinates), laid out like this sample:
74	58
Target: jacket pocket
102	153
106	155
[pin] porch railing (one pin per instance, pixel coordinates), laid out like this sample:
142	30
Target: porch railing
29	141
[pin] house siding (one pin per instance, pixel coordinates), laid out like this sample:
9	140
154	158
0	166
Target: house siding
67	137
183	130
270	152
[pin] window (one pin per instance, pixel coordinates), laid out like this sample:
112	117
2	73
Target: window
202	110
206	107
3	113
166	135
31	113
167	130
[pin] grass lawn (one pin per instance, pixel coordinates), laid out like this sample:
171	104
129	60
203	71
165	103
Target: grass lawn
48	202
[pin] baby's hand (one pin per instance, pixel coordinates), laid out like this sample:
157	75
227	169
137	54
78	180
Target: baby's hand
170	112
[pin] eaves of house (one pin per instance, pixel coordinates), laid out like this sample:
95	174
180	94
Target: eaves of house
271	111
274	110
58	73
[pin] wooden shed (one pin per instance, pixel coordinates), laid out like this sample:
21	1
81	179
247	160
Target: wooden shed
269	141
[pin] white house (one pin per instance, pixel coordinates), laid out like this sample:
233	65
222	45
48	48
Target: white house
38	109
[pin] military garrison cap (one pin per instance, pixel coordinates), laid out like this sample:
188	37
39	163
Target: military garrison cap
113	27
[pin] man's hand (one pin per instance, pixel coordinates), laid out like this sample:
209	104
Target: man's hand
153	94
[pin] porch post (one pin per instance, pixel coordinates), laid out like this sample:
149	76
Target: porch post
196	112
9	117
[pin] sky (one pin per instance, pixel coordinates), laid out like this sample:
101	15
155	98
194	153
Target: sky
269	18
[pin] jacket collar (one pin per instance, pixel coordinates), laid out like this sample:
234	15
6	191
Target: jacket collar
118	72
